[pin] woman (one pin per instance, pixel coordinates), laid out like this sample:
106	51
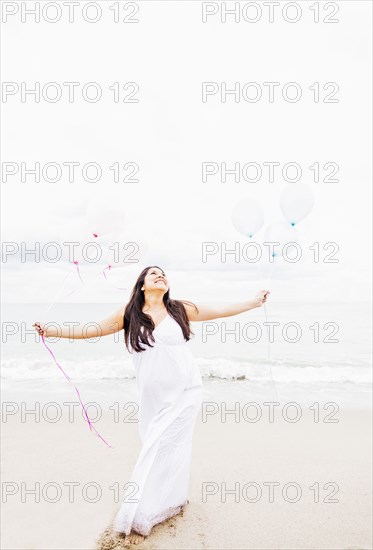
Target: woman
156	330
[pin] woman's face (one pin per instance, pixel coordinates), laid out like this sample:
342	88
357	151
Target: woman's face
155	279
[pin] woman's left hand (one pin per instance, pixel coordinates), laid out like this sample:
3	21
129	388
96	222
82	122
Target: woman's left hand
261	297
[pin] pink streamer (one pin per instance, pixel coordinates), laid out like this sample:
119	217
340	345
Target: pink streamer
91	427
77	268
104	274
77	391
107	267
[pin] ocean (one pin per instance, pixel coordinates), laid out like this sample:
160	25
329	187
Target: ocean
286	350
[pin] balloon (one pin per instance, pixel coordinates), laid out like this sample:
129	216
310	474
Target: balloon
103	217
282	233
248	217
78	245
123	249
296	202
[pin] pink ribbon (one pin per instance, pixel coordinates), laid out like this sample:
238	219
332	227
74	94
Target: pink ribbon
77	268
92	428
77	391
104	274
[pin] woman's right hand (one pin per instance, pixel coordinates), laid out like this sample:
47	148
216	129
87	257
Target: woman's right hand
40	328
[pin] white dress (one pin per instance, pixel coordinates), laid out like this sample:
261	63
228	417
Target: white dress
170	387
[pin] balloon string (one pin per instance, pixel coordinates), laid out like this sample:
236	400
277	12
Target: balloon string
77	268
77	391
274	390
48	307
67	295
92	428
75	290
61	288
270	273
104	274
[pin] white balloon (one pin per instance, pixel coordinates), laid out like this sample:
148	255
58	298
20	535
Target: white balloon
248	217
282	233
124	249
296	202
104	217
78	245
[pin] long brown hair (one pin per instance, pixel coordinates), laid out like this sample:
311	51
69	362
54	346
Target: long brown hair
139	326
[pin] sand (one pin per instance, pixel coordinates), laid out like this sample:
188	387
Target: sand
332	458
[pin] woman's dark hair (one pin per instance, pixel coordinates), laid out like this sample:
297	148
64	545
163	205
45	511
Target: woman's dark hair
138	326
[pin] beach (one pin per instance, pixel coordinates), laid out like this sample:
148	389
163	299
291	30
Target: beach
263	476
281	455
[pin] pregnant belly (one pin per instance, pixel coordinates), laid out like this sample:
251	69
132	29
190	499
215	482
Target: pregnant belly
165	371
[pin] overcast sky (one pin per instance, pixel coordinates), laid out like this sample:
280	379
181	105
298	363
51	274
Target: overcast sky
170	132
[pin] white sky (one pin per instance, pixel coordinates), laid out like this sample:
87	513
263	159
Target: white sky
170	132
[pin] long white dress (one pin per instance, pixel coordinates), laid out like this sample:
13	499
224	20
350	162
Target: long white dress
170	388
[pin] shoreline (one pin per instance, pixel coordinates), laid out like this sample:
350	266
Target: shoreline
108	391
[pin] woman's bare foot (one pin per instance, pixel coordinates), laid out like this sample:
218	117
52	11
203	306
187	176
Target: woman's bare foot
113	540
134	538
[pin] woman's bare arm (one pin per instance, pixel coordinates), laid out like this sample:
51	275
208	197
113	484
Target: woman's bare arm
209	312
111	324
